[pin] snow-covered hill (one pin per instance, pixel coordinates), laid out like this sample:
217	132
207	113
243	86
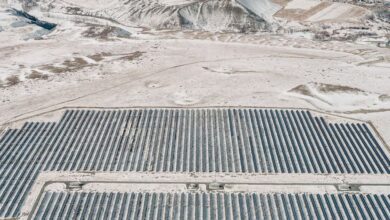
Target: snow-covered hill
324	19
211	15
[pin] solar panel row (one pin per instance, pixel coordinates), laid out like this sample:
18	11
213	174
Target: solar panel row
143	205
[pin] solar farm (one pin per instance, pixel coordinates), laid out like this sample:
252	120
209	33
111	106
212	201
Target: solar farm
201	163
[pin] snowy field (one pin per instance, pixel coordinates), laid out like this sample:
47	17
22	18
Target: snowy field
331	58
95	62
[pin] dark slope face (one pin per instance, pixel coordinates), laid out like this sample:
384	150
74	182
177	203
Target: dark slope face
220	15
34	20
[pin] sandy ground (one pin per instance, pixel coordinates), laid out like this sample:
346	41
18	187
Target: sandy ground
192	69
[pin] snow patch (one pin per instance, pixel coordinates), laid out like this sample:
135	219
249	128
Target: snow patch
175	2
95	4
262	8
302	4
184	99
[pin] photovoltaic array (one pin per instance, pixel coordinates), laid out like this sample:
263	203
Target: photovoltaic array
230	140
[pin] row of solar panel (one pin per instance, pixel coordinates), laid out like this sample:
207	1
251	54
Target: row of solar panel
20	163
209	141
93	205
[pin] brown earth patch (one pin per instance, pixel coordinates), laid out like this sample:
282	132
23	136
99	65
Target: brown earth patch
99	56
12	80
132	56
281	2
97	32
76	64
105	32
301	89
37	75
384	98
300	14
325	88
311	90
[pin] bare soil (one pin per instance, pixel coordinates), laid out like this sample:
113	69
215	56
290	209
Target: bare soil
37	75
99	56
132	56
12	80
74	65
301	15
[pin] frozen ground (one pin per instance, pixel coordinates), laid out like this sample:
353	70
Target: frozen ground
302	4
95	62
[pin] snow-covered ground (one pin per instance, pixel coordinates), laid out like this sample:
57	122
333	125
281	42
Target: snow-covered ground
265	8
94	4
302	4
95	62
